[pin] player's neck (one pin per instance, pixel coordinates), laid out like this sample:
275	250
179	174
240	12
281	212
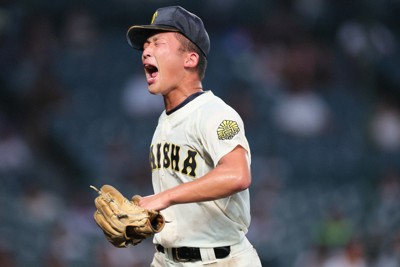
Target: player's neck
178	95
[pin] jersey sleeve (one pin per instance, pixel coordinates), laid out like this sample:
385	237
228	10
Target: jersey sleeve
221	130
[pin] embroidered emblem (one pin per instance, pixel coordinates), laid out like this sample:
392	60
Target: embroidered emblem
154	17
227	130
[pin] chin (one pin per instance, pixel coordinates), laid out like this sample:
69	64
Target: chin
153	90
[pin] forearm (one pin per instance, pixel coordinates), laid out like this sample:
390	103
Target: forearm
218	183
230	176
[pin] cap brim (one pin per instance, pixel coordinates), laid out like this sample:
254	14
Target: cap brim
138	34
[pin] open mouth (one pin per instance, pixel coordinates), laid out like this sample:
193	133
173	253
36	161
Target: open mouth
151	72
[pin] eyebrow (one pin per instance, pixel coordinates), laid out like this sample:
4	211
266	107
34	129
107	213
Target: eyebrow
150	39
153	38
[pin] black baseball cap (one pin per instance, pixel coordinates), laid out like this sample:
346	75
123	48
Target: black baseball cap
171	19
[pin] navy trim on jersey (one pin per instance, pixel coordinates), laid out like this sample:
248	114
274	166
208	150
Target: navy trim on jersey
184	102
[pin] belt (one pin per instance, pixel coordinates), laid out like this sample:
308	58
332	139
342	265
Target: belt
185	254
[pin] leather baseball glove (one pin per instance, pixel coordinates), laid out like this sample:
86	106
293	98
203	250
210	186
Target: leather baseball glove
124	222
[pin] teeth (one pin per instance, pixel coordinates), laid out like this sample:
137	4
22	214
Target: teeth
150	68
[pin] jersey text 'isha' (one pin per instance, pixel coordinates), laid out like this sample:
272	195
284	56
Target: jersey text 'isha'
168	155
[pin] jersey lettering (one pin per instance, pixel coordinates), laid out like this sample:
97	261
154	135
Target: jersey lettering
167	155
152	159
167	161
175	157
159	156
190	163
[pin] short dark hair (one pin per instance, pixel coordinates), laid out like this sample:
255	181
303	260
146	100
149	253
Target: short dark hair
189	46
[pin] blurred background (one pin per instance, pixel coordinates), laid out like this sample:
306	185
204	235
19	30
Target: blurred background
317	83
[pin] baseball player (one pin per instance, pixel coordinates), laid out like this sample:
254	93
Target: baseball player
199	155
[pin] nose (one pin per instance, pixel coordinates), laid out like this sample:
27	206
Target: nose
146	53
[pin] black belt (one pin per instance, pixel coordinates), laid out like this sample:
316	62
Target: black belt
184	254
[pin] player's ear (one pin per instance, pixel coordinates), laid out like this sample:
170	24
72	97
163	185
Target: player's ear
191	60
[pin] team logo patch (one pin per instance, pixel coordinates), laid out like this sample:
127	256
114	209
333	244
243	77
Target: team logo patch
227	130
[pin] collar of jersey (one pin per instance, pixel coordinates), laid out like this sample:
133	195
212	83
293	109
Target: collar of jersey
184	102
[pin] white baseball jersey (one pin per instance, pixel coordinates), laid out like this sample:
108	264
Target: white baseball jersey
186	145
